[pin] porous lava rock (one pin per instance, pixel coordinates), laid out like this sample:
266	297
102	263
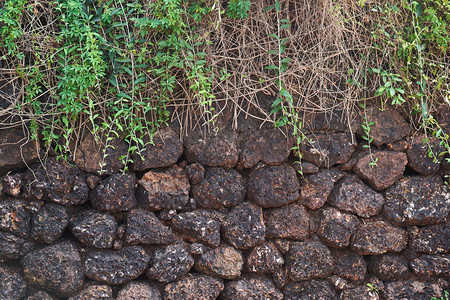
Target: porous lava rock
257	288
214	150
200	226
309	259
194	287
57	182
316	289
264	259
327	150
431	239
12	284
163	190
349	265
94	229
163	150
49	223
56	268
137	290
17	149
431	266
417	200
273	186
336	227
40	295
269	146
143	227
352	195
307	168
388	169
94	292
361	292
411	289
195	173
12	184
418	154
378	237
116	267
389	267
14	217
13	247
219	188
280	278
287	222
243	227
316	188
224	261
115	193
169	263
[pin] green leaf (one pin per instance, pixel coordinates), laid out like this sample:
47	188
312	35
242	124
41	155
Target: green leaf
122	59
277	6
271	67
274	35
272	52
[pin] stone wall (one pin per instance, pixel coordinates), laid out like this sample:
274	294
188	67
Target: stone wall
227	216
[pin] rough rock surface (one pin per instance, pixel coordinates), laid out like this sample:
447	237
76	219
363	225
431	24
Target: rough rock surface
115	193
362	292
14	217
40	295
378	237
169	263
389	168
13	247
194	287
195	173
12	184
225	262
287	222
315	289
432	239
143	227
273	186
219	188
417	200
165	150
167	190
199	226
94	228
243	227
316	188
352	195
17	149
418	154
138	290
349	265
12	284
411	289
336	227
49	223
94	292
264	259
389	267
325	150
55	268
257	288
308	260
431	266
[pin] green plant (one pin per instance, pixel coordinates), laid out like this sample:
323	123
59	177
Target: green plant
11	30
238	9
366	125
372	287
446	296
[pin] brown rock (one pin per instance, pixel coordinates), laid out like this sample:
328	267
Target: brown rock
431	266
389	267
199	226
264	259
194	287
224	262
49	223
315	289
137	290
316	188
287	222
143	227
115	193
13	247
432	239
93	292
14	217
336	227
11	184
17	149
349	265
419	158
257	288
195	172
411	289
362	292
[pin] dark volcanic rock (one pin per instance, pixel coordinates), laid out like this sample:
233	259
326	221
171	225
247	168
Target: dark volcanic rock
115	193
138	290
287	222
362	292
352	195
219	188
94	229
12	284
378	237
273	186
243	227
268	146
225	262
14	217
432	239
195	173
256	288
12	184
13	247
349	265
168	190
40	295
55	268
280	278
411	289
17	149
143	227
199	226
315	289
329	120
169	263
307	260
389	267
116	267
315	188
389	168
49	223
95	291
264	259
431	266
417	200
57	182
164	151
307	168
336	227
194	287
325	150
418	155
